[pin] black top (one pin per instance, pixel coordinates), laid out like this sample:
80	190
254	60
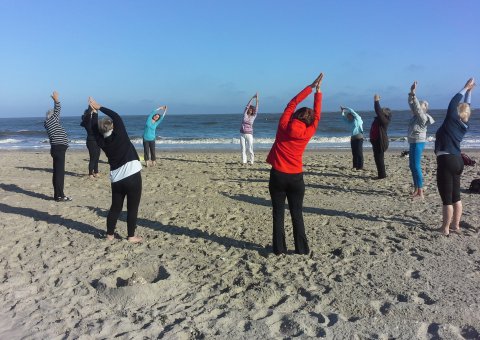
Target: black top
118	147
87	123
382	120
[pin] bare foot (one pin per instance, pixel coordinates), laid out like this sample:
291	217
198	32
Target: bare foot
110	237
456	229
154	163
445	232
96	174
419	194
91	176
135	239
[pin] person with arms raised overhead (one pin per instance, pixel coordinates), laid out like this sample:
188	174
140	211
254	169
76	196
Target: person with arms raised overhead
379	136
246	130
91	142
58	147
449	159
295	129
417	136
149	135
125	167
355	123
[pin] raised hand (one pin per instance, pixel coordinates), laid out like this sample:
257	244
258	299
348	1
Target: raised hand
413	87
316	83
93	104
319	82
376	97
470	84
55	96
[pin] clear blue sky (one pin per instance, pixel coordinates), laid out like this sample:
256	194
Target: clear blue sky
211	56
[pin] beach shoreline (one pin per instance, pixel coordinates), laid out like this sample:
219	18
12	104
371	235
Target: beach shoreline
378	269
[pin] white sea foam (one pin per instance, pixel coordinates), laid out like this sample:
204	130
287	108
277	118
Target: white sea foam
10	141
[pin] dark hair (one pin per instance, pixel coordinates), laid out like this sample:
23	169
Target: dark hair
386	111
251	109
304	114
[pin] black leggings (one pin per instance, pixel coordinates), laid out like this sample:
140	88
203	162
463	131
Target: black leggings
148	145
58	179
357	152
292	187
449	170
132	188
379	156
94	153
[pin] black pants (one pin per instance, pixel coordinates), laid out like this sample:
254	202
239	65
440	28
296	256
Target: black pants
378	154
357	152
132	188
94	153
58	179
449	170
148	146
292	187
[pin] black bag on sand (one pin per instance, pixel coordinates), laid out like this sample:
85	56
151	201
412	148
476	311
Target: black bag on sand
475	186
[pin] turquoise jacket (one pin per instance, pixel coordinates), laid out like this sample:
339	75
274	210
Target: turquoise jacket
150	127
356	125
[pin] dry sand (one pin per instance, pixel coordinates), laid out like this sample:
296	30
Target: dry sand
378	270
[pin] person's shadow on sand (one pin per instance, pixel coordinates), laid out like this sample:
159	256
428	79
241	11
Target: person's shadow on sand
193	233
413	222
15	188
68	173
53	219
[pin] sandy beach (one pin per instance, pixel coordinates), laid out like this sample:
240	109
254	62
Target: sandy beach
378	269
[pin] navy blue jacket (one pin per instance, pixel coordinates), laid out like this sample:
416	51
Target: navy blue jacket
450	134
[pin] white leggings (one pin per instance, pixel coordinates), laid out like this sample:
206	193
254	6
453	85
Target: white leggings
246	141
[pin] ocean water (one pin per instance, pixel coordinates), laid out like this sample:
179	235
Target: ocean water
221	131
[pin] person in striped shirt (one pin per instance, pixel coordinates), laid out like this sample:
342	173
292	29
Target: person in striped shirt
58	147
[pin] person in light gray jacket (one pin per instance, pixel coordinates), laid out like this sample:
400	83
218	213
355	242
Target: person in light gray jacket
417	136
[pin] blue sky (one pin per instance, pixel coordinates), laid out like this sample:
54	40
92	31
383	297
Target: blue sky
211	56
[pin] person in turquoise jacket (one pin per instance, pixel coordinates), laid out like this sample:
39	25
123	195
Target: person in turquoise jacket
149	136
355	123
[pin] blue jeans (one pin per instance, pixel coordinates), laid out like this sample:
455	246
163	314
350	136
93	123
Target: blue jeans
415	156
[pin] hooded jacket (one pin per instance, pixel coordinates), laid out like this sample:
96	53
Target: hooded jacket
417	126
293	135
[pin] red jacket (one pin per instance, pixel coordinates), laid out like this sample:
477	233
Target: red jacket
293	135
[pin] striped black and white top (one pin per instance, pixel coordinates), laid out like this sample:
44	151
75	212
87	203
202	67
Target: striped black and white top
56	132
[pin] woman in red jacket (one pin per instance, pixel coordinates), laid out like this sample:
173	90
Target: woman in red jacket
286	176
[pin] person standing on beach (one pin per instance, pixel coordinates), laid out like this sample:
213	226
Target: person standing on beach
355	123
417	136
149	135
125	167
295	129
246	130
91	142
58	147
379	136
449	159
